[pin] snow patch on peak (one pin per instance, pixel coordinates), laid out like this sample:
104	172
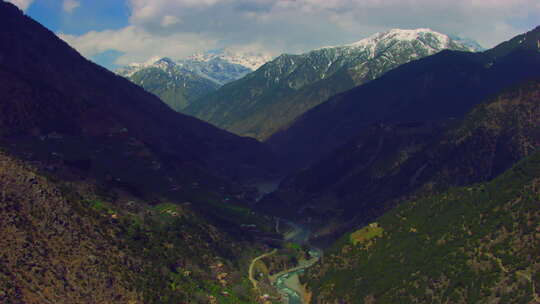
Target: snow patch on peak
401	35
250	60
156	61
147	63
409	35
424	39
152	61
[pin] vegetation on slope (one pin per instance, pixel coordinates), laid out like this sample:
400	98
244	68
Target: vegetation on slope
476	244
72	241
176	87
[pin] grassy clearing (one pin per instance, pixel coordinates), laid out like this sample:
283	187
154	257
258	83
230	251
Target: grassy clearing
367	233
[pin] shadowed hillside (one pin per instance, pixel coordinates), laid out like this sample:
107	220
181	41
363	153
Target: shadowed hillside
48	87
386	162
442	86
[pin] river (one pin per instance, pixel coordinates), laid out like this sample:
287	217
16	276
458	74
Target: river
288	283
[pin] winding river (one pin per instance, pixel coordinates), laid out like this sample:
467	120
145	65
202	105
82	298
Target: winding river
288	283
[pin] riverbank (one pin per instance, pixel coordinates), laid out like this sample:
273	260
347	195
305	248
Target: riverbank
287	281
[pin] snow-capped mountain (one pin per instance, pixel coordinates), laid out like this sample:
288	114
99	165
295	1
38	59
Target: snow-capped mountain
221	65
250	60
472	44
270	98
179	82
176	85
215	69
134	67
432	40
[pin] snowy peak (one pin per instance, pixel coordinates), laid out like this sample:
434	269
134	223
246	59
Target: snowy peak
220	66
421	41
402	35
250	60
427	38
163	63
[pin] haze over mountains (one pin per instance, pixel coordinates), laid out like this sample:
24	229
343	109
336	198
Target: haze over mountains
406	170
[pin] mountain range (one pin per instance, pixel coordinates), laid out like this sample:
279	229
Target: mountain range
179	82
445	85
272	97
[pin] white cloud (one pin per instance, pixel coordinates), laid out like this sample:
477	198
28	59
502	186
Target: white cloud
488	21
169	21
70	5
177	27
22	4
137	44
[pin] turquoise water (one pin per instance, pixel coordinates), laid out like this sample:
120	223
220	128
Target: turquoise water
293	296
300	235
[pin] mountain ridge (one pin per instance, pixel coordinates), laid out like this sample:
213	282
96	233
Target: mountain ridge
455	81
273	96
180	82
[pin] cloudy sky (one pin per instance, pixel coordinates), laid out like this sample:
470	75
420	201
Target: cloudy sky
117	32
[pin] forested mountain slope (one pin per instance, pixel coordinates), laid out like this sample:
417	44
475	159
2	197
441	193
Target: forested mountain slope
475	244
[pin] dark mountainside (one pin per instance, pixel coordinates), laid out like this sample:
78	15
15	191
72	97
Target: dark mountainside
442	86
388	163
476	244
109	196
48	87
270	98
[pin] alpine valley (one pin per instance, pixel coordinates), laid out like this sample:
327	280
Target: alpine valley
403	168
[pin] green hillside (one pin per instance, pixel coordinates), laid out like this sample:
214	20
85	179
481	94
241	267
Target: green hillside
475	244
66	242
176	87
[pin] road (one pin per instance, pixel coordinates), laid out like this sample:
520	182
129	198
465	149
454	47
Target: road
252	265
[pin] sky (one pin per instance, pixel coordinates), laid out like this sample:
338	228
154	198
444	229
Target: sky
114	33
